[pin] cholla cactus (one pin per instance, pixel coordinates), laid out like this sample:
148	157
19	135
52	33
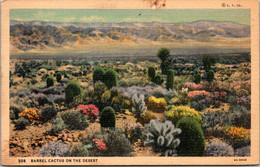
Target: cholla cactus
139	107
161	136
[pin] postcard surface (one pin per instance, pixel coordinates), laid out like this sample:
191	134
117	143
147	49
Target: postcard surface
137	82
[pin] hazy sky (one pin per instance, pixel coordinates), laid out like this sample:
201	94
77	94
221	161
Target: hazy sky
131	15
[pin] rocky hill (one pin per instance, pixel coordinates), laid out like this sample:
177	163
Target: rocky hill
44	36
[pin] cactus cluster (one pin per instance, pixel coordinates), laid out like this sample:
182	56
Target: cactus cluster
139	107
162	136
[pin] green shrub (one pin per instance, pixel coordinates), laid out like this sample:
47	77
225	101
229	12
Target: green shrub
50	81
163	54
162	136
116	143
71	91
47	113
170	79
99	89
79	150
11	115
165	65
58	76
151	72
57	126
75	120
21	123
98	74
208	61
54	149
108	117
111	78
158	79
192	138
210	76
146	118
197	78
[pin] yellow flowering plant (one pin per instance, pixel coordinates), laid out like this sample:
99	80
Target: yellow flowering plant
156	104
30	114
177	113
238	136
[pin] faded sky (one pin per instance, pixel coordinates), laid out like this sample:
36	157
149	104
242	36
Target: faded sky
131	15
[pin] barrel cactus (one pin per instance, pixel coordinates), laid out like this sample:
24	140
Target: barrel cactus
162	136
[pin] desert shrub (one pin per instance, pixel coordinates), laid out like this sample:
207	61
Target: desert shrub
99	90
245	101
34	81
208	61
151	72
16	110
107	117
202	104
170	79
192	138
243	151
163	54
110	78
146	118
64	80
241	116
109	143
197	78
242	92
120	103
158	79
80	150
98	74
193	94
162	136
91	110
30	114
58	76
213	121
133	131
156	104
177	113
165	65
210	75
11	115
21	123
217	148
238	136
54	149
57	126
138	103
71	91
49	81
47	113
75	120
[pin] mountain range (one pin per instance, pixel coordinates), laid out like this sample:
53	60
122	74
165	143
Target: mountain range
40	36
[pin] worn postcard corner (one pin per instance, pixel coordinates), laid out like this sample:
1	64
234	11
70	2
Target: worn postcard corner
138	82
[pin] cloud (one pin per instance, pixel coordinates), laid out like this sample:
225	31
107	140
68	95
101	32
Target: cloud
92	19
42	14
69	19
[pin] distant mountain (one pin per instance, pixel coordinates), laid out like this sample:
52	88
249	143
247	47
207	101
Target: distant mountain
41	36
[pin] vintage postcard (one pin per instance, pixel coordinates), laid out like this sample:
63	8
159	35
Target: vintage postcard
136	82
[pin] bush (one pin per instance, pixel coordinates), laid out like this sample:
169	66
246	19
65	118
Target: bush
133	131
91	110
192	138
58	76
165	65
177	113
111	78
156	104
218	148
109	143
170	79
49	81
238	136
146	118
197	78
54	149
21	123
151	72
162	136
48	112
158	79
79	150
30	114
71	91
163	54
243	151
16	110
98	74
99	90
57	126
241	116
11	115
75	120
210	76
139	107
108	117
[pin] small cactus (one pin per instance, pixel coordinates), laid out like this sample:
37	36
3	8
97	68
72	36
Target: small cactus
161	136
139	107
